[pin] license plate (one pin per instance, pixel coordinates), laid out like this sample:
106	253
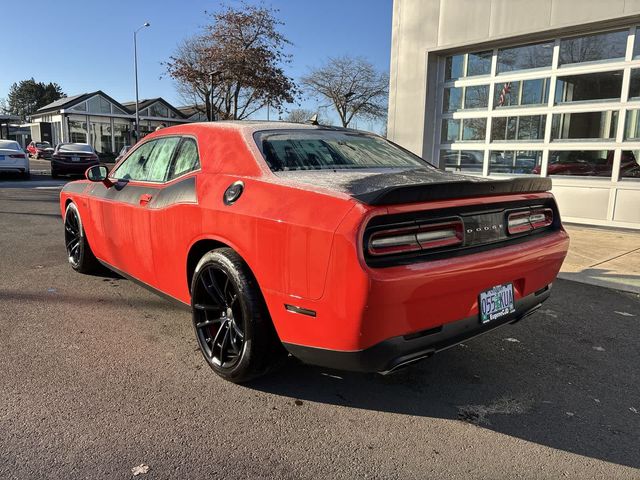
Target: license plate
496	302
75	159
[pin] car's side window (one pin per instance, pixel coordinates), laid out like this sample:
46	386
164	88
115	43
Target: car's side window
186	159
149	162
161	159
133	168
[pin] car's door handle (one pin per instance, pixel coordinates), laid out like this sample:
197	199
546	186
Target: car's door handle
145	198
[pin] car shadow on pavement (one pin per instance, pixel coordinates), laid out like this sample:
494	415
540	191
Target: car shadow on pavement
565	377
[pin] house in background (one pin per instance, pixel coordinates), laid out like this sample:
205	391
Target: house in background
515	87
195	113
101	121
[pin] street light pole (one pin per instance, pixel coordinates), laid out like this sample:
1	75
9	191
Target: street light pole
135	63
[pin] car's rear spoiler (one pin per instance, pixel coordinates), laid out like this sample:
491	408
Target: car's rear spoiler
424	192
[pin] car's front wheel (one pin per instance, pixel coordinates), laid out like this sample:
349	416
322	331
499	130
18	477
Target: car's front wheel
230	318
79	252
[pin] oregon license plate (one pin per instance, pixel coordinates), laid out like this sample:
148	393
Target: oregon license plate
496	302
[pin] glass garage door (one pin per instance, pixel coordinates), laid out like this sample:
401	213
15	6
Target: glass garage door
567	108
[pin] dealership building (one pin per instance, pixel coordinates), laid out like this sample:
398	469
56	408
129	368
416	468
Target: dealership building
518	87
104	123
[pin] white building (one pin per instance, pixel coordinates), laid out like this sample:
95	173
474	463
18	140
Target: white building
521	87
101	121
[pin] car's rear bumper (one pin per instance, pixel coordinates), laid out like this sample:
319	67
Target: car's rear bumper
399	351
20	166
71	167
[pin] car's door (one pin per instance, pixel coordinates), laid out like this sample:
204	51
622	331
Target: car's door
175	218
123	208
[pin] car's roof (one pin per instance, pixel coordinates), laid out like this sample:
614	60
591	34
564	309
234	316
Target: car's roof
251	126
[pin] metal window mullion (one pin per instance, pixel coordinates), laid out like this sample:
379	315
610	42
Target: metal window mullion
487	139
630	41
550	102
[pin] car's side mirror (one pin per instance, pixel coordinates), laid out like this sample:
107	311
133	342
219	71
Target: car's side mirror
99	173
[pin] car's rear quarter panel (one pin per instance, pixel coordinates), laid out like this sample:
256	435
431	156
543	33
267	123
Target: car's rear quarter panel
362	306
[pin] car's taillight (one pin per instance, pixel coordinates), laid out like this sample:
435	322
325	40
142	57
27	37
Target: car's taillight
16	155
418	237
93	157
525	221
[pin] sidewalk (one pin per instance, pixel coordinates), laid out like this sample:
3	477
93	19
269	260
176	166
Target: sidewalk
603	257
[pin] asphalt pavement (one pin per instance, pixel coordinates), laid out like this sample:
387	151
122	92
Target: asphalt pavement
100	376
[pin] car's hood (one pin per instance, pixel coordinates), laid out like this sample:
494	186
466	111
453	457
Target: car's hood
386	187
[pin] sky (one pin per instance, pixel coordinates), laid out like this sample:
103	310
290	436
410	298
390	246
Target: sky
88	45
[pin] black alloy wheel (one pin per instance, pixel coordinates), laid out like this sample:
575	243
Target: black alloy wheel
79	252
73	236
231	320
220	328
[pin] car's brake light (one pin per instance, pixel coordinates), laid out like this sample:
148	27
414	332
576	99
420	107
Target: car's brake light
418	237
525	221
16	155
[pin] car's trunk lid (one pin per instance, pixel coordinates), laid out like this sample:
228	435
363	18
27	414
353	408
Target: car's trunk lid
395	186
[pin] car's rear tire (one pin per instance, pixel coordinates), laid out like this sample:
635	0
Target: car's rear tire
54	174
26	175
231	321
79	253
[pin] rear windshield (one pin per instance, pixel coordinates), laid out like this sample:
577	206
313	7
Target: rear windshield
331	150
43	145
9	145
76	147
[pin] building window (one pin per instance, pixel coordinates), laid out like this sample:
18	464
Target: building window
77	131
539	55
525	127
519	162
98	104
589	87
121	135
479	63
630	164
454	67
450	130
452	99
591	163
634	84
158	110
474	129
476	96
584	125
593	48
101	137
462	160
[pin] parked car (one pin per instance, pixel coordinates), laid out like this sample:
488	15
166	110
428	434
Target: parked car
40	149
122	153
334	245
13	158
72	158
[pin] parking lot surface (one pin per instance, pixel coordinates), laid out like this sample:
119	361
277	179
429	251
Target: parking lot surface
99	376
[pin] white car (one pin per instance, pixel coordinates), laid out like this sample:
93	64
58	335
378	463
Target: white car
13	158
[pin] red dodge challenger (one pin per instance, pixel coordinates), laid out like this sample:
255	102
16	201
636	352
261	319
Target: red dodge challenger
334	245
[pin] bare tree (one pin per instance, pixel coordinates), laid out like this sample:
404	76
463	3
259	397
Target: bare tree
234	68
303	115
353	86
